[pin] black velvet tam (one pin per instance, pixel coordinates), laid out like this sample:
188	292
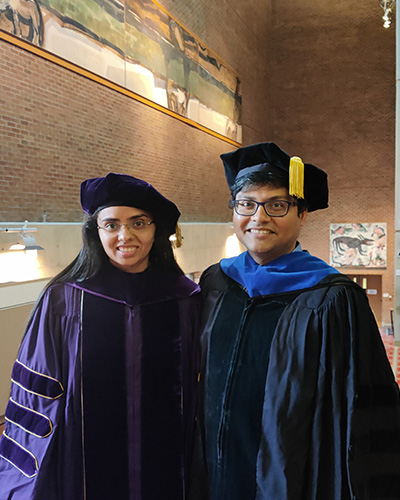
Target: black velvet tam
125	190
267	156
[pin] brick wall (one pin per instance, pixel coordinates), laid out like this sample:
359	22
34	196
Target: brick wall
318	78
239	33
58	128
333	89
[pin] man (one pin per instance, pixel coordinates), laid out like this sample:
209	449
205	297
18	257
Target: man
300	402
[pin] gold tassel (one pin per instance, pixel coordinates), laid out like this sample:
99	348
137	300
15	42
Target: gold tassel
178	235
296	177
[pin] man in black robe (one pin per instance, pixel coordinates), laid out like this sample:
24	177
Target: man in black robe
300	402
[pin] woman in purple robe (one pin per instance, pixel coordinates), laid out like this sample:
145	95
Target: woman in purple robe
102	403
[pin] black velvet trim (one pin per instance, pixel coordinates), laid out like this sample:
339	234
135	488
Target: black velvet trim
162	439
104	399
385	442
238	361
377	396
380	441
384	487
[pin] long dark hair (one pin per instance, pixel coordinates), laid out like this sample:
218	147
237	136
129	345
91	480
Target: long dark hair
92	256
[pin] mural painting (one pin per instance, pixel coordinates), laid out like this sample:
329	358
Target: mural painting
358	245
22	18
138	45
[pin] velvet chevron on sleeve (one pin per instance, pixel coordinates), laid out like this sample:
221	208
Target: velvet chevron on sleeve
104	392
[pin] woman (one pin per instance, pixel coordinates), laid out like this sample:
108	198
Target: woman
102	396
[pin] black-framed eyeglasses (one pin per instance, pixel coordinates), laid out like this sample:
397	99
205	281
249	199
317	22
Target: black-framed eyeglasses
274	208
134	226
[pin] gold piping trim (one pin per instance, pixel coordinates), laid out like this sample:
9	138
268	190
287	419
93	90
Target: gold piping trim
22	448
33	411
14	40
34	393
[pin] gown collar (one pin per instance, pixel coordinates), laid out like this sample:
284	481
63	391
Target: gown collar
147	287
291	272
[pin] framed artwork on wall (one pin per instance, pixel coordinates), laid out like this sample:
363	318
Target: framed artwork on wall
358	245
139	46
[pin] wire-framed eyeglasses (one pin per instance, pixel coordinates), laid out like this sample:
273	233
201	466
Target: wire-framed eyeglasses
273	208
135	226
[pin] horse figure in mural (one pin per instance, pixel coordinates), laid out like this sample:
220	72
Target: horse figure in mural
25	17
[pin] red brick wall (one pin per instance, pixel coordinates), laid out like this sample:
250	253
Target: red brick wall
333	89
239	33
318	78
323	87
58	128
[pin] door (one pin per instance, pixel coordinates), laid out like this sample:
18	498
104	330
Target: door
372	284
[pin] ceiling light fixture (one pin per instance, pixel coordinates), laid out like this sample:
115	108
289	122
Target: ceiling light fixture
388	8
24	234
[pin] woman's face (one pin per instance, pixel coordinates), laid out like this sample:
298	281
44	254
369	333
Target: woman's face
126	236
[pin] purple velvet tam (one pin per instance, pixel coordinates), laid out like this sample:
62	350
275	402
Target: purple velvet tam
268	157
125	190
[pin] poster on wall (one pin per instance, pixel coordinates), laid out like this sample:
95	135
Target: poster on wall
139	46
358	245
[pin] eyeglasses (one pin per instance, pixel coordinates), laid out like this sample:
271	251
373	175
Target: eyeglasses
275	208
135	226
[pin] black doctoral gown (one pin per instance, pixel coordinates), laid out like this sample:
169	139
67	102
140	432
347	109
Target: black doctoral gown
300	402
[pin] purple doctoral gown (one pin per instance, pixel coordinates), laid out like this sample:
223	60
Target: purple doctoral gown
103	392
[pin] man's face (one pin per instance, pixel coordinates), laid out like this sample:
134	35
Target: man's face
267	238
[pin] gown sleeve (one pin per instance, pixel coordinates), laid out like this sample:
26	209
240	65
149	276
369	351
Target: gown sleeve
331	415
36	404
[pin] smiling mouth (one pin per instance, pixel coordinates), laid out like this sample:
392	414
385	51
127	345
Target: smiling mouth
126	249
255	230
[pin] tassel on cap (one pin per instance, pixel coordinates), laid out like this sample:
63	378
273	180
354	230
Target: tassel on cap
296	177
178	236
314	184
